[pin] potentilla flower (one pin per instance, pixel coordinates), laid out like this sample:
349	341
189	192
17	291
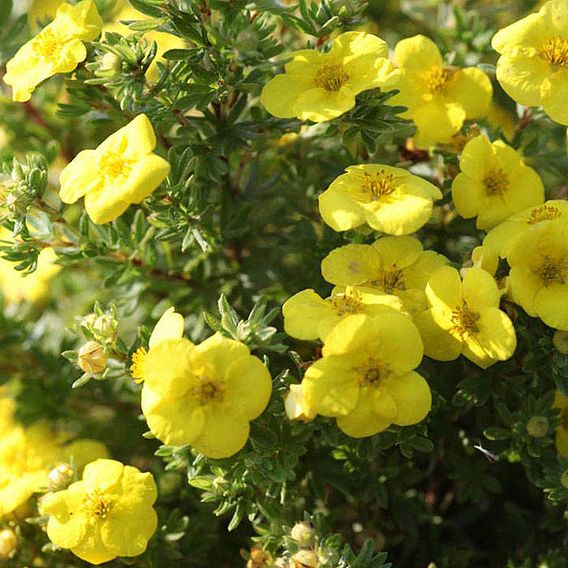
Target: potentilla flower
533	67
439	97
494	183
203	395
366	378
390	200
58	48
308	316
321	86
107	514
501	238
391	265
464	318
539	272
121	171
561	402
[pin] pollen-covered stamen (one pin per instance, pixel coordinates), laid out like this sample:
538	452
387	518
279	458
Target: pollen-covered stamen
113	166
496	182
348	302
377	185
390	280
208	390
371	374
437	78
555	51
552	271
464	321
47	45
544	213
137	367
331	77
95	505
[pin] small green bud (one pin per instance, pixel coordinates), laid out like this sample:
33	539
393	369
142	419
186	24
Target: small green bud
537	426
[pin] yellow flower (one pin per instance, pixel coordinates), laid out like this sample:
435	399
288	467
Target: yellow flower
464	318
307	316
388	199
366	378
321	86
27	455
42	10
494	183
539	272
439	98
58	48
561	402
391	265
120	171
484	258
107	514
501	238
17	286
203	395
296	406
164	41
533	67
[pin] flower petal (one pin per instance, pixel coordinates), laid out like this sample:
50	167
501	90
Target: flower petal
412	396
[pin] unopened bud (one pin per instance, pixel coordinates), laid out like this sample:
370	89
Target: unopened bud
60	477
304	559
110	62
92	358
560	341
259	558
8	543
296	406
303	533
537	426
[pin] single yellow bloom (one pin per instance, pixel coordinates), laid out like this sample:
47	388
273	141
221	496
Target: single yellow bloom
391	265
17	286
533	67
120	171
501	238
296	406
439	98
561	402
307	316
164	41
321	86
494	183
107	514
539	272
366	378
58	48
390	200
204	395
464	318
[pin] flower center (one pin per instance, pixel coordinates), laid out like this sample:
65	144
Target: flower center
464	321
378	184
346	302
371	374
113	166
544	213
208	390
496	182
137	367
555	51
331	77
552	271
47	45
437	78
95	505
389	280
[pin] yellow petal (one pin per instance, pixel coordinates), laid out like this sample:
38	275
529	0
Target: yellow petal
132	141
339	210
354	334
551	305
146	175
102	474
412	397
437	121
350	265
444	289
280	94
522	77
128	533
79	177
417	54
319	105
303	313
349	46
417	275
102	206
217	353
477	158
554	95
397	251
480	289
471	88
169	326
439	343
467	195
530	31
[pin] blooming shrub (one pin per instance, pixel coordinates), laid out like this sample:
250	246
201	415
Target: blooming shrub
283	284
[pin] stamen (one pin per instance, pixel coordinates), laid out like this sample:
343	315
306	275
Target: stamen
47	45
348	302
390	280
371	374
544	213
465	321
113	166
437	78
95	505
555	51
496	182
208	390
331	77
552	271
378	184
137	367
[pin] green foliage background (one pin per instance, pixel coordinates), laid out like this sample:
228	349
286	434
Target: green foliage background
238	216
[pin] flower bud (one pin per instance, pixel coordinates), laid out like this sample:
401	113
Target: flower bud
8	543
92	358
296	406
303	533
537	426
259	558
304	559
60	477
110	62
560	341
